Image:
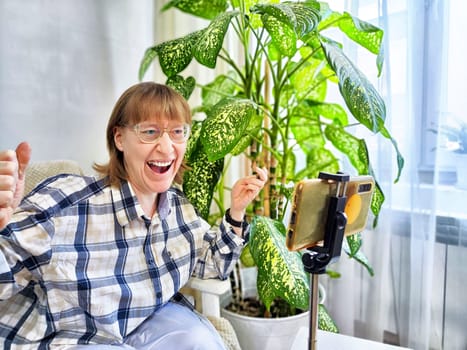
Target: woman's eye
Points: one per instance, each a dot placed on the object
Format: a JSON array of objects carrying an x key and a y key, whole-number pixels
[
  {"x": 150, "y": 131},
  {"x": 178, "y": 131}
]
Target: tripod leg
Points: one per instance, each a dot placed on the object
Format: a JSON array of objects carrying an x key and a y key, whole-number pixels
[{"x": 313, "y": 311}]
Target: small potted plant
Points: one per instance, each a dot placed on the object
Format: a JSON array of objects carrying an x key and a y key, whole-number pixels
[
  {"x": 272, "y": 106},
  {"x": 454, "y": 139}
]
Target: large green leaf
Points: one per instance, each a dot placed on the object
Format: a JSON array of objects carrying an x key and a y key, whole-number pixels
[
  {"x": 174, "y": 55},
  {"x": 302, "y": 17},
  {"x": 287, "y": 22},
  {"x": 325, "y": 321},
  {"x": 200, "y": 181},
  {"x": 225, "y": 125},
  {"x": 354, "y": 148},
  {"x": 280, "y": 271},
  {"x": 362, "y": 99},
  {"x": 207, "y": 9},
  {"x": 283, "y": 36},
  {"x": 211, "y": 40},
  {"x": 149, "y": 55},
  {"x": 363, "y": 33}
]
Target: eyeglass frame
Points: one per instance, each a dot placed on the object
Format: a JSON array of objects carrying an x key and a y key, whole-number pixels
[{"x": 136, "y": 129}]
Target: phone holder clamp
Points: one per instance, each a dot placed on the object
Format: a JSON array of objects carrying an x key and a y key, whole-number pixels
[{"x": 316, "y": 259}]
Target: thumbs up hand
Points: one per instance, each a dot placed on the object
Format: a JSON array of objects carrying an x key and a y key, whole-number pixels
[{"x": 12, "y": 175}]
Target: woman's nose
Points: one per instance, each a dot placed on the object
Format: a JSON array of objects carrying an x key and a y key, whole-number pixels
[{"x": 164, "y": 143}]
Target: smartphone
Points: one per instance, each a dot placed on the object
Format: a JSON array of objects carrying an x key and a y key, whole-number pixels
[{"x": 310, "y": 201}]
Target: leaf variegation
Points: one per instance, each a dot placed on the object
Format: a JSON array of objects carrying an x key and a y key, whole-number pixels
[
  {"x": 184, "y": 86},
  {"x": 302, "y": 17},
  {"x": 325, "y": 321},
  {"x": 175, "y": 55},
  {"x": 280, "y": 271},
  {"x": 354, "y": 148},
  {"x": 210, "y": 41},
  {"x": 199, "y": 182},
  {"x": 149, "y": 55},
  {"x": 360, "y": 96},
  {"x": 377, "y": 202},
  {"x": 207, "y": 9},
  {"x": 225, "y": 125},
  {"x": 283, "y": 36},
  {"x": 363, "y": 33}
]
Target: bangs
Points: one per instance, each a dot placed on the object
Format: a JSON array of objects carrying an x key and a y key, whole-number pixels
[{"x": 157, "y": 105}]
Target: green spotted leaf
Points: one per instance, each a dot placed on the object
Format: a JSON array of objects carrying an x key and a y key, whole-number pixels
[
  {"x": 283, "y": 37},
  {"x": 287, "y": 22},
  {"x": 184, "y": 86},
  {"x": 225, "y": 125},
  {"x": 174, "y": 55},
  {"x": 207, "y": 9},
  {"x": 325, "y": 321},
  {"x": 360, "y": 96},
  {"x": 199, "y": 182},
  {"x": 280, "y": 271},
  {"x": 354, "y": 148},
  {"x": 211, "y": 40},
  {"x": 302, "y": 17}
]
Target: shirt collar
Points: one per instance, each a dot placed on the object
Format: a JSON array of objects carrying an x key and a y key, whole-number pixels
[{"x": 126, "y": 204}]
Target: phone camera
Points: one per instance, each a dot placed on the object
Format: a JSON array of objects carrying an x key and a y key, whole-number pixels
[{"x": 364, "y": 187}]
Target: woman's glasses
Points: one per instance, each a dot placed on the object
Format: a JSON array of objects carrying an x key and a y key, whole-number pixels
[{"x": 152, "y": 133}]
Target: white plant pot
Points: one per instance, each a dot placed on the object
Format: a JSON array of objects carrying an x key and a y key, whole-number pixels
[{"x": 256, "y": 333}]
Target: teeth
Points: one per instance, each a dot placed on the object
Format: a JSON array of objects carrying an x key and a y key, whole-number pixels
[{"x": 160, "y": 163}]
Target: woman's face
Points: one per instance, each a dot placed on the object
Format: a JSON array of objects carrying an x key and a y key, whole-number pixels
[{"x": 151, "y": 167}]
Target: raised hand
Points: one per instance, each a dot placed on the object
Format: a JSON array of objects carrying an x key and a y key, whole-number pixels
[
  {"x": 12, "y": 173},
  {"x": 245, "y": 190}
]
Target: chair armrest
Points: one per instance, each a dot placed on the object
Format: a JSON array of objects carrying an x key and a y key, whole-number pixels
[{"x": 207, "y": 294}]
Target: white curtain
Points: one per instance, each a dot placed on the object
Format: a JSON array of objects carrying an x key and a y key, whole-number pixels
[{"x": 419, "y": 248}]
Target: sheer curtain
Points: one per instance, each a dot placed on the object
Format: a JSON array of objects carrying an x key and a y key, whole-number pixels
[{"x": 419, "y": 248}]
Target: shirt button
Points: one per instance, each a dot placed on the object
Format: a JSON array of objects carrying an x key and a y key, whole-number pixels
[
  {"x": 159, "y": 295},
  {"x": 150, "y": 262}
]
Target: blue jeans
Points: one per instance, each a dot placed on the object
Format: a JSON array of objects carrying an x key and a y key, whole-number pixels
[{"x": 172, "y": 327}]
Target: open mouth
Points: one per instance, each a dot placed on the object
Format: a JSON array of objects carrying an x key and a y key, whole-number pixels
[{"x": 160, "y": 167}]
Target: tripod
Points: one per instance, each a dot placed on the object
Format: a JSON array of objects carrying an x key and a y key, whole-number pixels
[{"x": 316, "y": 258}]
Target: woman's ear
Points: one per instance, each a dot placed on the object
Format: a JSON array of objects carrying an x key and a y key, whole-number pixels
[{"x": 118, "y": 138}]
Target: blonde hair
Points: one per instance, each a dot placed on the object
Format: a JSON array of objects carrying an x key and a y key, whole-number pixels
[{"x": 138, "y": 103}]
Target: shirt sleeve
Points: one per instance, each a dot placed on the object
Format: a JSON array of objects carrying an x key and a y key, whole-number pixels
[
  {"x": 221, "y": 252},
  {"x": 24, "y": 247}
]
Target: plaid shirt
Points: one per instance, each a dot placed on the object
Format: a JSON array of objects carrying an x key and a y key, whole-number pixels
[{"x": 81, "y": 263}]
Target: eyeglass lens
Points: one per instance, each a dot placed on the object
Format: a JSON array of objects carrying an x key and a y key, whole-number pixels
[{"x": 151, "y": 133}]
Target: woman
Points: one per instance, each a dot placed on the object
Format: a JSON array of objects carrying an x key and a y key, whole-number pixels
[{"x": 100, "y": 261}]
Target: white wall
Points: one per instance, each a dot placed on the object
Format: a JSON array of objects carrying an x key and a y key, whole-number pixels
[{"x": 63, "y": 65}]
